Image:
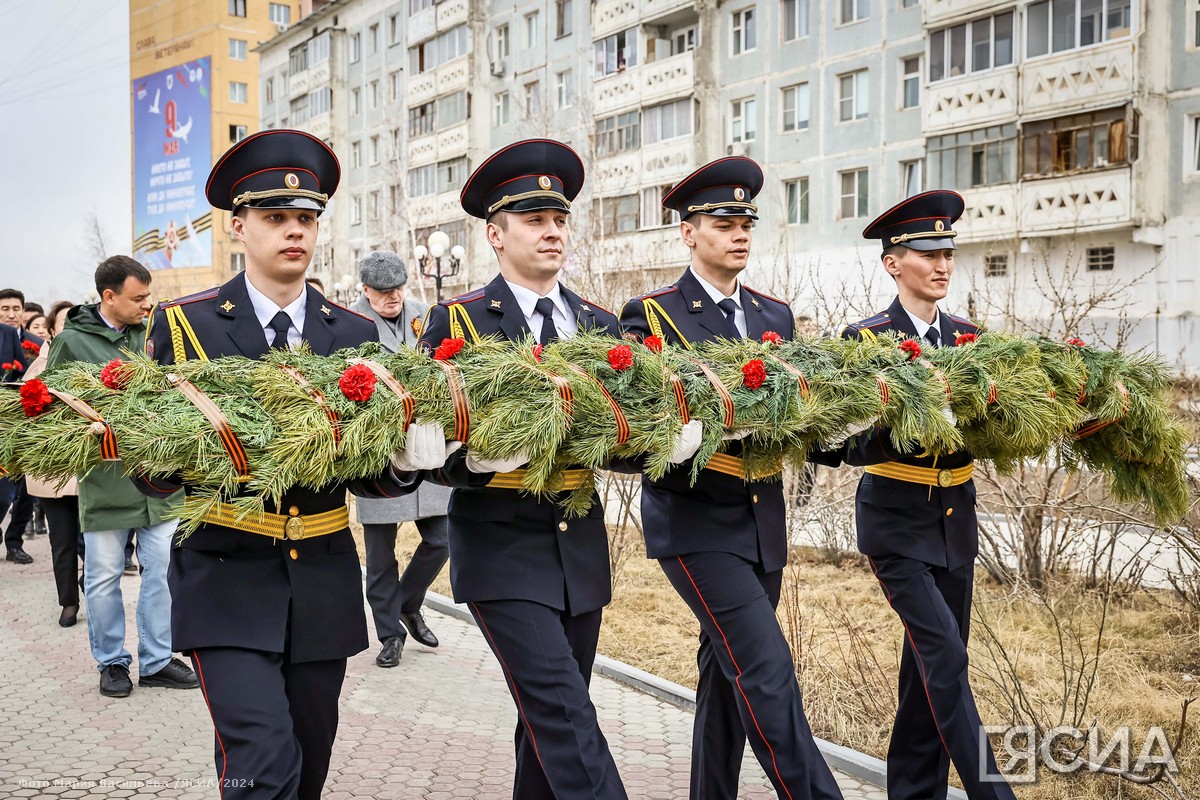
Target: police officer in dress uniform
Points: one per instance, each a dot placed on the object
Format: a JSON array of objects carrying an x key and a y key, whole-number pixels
[
  {"x": 535, "y": 581},
  {"x": 915, "y": 514},
  {"x": 269, "y": 609},
  {"x": 723, "y": 542}
]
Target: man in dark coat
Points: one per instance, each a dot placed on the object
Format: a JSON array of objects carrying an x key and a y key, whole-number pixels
[
  {"x": 915, "y": 514},
  {"x": 723, "y": 542},
  {"x": 270, "y": 609},
  {"x": 12, "y": 307}
]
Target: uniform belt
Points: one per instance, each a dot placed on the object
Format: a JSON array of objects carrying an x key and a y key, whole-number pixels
[
  {"x": 293, "y": 525},
  {"x": 572, "y": 479},
  {"x": 926, "y": 476},
  {"x": 732, "y": 465}
]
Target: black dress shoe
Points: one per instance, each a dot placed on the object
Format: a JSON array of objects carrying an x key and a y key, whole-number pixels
[
  {"x": 17, "y": 555},
  {"x": 418, "y": 629},
  {"x": 69, "y": 616},
  {"x": 114, "y": 681},
  {"x": 175, "y": 675},
  {"x": 389, "y": 655}
]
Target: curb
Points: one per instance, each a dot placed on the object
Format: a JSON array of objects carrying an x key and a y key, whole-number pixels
[{"x": 859, "y": 765}]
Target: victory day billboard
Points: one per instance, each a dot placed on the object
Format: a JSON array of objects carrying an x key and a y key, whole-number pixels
[{"x": 172, "y": 154}]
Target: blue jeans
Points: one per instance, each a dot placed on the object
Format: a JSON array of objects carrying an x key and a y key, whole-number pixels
[{"x": 103, "y": 566}]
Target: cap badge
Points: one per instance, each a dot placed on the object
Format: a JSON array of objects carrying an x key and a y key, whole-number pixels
[
  {"x": 939, "y": 226},
  {"x": 739, "y": 194},
  {"x": 544, "y": 182},
  {"x": 291, "y": 180},
  {"x": 227, "y": 306}
]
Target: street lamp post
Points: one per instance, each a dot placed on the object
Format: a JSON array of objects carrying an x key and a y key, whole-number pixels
[{"x": 431, "y": 259}]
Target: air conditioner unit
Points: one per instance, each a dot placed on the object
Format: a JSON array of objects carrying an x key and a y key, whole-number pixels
[
  {"x": 280, "y": 27},
  {"x": 736, "y": 149},
  {"x": 498, "y": 67}
]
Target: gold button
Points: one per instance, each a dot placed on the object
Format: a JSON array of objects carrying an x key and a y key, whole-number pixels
[
  {"x": 755, "y": 498},
  {"x": 294, "y": 553},
  {"x": 949, "y": 511},
  {"x": 293, "y": 512},
  {"x": 562, "y": 526}
]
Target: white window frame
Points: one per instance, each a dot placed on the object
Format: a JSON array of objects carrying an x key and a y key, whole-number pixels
[
  {"x": 912, "y": 177},
  {"x": 797, "y": 190},
  {"x": 744, "y": 31},
  {"x": 533, "y": 99},
  {"x": 238, "y": 49},
  {"x": 279, "y": 13},
  {"x": 652, "y": 214},
  {"x": 741, "y": 110},
  {"x": 355, "y": 155},
  {"x": 799, "y": 96},
  {"x": 269, "y": 90},
  {"x": 355, "y": 101},
  {"x": 852, "y": 11},
  {"x": 906, "y": 78},
  {"x": 356, "y": 209},
  {"x": 501, "y": 109},
  {"x": 373, "y": 94},
  {"x": 239, "y": 92},
  {"x": 860, "y": 199},
  {"x": 564, "y": 88},
  {"x": 1191, "y": 167},
  {"x": 801, "y": 19},
  {"x": 375, "y": 150},
  {"x": 373, "y": 39},
  {"x": 1032, "y": 11},
  {"x": 533, "y": 29},
  {"x": 355, "y": 48},
  {"x": 855, "y": 105},
  {"x": 502, "y": 41}
]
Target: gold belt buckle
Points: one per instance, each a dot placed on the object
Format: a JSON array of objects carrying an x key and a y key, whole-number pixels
[
  {"x": 945, "y": 479},
  {"x": 294, "y": 527}
]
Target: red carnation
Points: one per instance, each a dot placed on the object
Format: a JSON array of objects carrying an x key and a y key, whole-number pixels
[
  {"x": 537, "y": 352},
  {"x": 8, "y": 366},
  {"x": 35, "y": 397},
  {"x": 357, "y": 383},
  {"x": 115, "y": 374},
  {"x": 911, "y": 347},
  {"x": 653, "y": 343},
  {"x": 32, "y": 347},
  {"x": 965, "y": 338},
  {"x": 754, "y": 372},
  {"x": 620, "y": 357},
  {"x": 448, "y": 349},
  {"x": 1076, "y": 342},
  {"x": 14, "y": 365},
  {"x": 771, "y": 337}
]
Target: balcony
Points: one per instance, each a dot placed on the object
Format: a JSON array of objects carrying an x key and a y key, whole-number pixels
[
  {"x": 610, "y": 16},
  {"x": 422, "y": 25},
  {"x": 452, "y": 141},
  {"x": 451, "y": 13},
  {"x": 1089, "y": 77},
  {"x": 298, "y": 85},
  {"x": 938, "y": 12},
  {"x": 320, "y": 126},
  {"x": 645, "y": 84},
  {"x": 991, "y": 214},
  {"x": 970, "y": 101},
  {"x": 1096, "y": 200},
  {"x": 421, "y": 88},
  {"x": 454, "y": 75}
]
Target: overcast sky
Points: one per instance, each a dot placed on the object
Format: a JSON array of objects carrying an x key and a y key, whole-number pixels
[{"x": 64, "y": 141}]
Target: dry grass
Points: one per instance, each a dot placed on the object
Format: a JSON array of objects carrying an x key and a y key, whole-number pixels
[{"x": 846, "y": 642}]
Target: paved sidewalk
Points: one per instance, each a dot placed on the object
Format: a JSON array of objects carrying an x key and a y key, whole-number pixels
[{"x": 438, "y": 726}]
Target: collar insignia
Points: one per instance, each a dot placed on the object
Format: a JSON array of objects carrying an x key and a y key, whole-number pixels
[
  {"x": 325, "y": 310},
  {"x": 227, "y": 307},
  {"x": 584, "y": 307},
  {"x": 754, "y": 301},
  {"x": 495, "y": 304},
  {"x": 697, "y": 304}
]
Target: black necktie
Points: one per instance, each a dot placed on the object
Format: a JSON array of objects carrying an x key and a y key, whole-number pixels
[
  {"x": 545, "y": 307},
  {"x": 932, "y": 336},
  {"x": 280, "y": 323},
  {"x": 730, "y": 308}
]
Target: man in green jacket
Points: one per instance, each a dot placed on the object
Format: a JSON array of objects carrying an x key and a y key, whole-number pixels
[{"x": 110, "y": 506}]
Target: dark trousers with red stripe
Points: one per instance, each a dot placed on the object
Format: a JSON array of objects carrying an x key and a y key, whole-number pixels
[
  {"x": 747, "y": 685},
  {"x": 937, "y": 721},
  {"x": 547, "y": 656},
  {"x": 274, "y": 721}
]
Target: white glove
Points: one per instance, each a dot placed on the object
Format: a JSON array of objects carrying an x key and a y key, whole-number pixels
[
  {"x": 425, "y": 447},
  {"x": 847, "y": 433},
  {"x": 949, "y": 415},
  {"x": 734, "y": 434},
  {"x": 477, "y": 464},
  {"x": 687, "y": 442}
]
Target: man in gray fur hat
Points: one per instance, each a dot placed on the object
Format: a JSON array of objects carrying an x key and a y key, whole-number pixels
[{"x": 396, "y": 599}]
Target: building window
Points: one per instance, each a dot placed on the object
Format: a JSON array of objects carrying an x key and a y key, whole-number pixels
[
  {"x": 564, "y": 88},
  {"x": 533, "y": 99},
  {"x": 982, "y": 157},
  {"x": 745, "y": 35},
  {"x": 615, "y": 53},
  {"x": 397, "y": 144},
  {"x": 452, "y": 109},
  {"x": 796, "y": 103},
  {"x": 355, "y": 102},
  {"x": 911, "y": 81},
  {"x": 795, "y": 195},
  {"x": 502, "y": 41},
  {"x": 355, "y": 47},
  {"x": 299, "y": 111},
  {"x": 855, "y": 10},
  {"x": 394, "y": 32},
  {"x": 973, "y": 46},
  {"x": 1101, "y": 259},
  {"x": 618, "y": 133},
  {"x": 373, "y": 205},
  {"x": 683, "y": 40},
  {"x": 395, "y": 86},
  {"x": 852, "y": 96},
  {"x": 422, "y": 181},
  {"x": 795, "y": 19},
  {"x": 269, "y": 90},
  {"x": 910, "y": 176},
  {"x": 855, "y": 201},
  {"x": 237, "y": 8},
  {"x": 319, "y": 101},
  {"x": 653, "y": 214},
  {"x": 909, "y": 3},
  {"x": 616, "y": 214},
  {"x": 563, "y": 23},
  {"x": 533, "y": 29},
  {"x": 373, "y": 93},
  {"x": 238, "y": 92},
  {"x": 1075, "y": 143},
  {"x": 237, "y": 49},
  {"x": 395, "y": 199},
  {"x": 279, "y": 13},
  {"x": 356, "y": 154},
  {"x": 318, "y": 48},
  {"x": 445, "y": 47},
  {"x": 1195, "y": 125},
  {"x": 995, "y": 266},
  {"x": 375, "y": 150},
  {"x": 237, "y": 133},
  {"x": 415, "y": 6},
  {"x": 1196, "y": 23},
  {"x": 668, "y": 120},
  {"x": 356, "y": 210},
  {"x": 1057, "y": 25},
  {"x": 420, "y": 120},
  {"x": 743, "y": 118},
  {"x": 452, "y": 174},
  {"x": 501, "y": 110},
  {"x": 237, "y": 262},
  {"x": 373, "y": 39}
]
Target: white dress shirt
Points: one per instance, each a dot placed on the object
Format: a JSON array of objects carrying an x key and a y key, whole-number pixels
[
  {"x": 739, "y": 316},
  {"x": 922, "y": 326},
  {"x": 266, "y": 309},
  {"x": 564, "y": 320}
]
